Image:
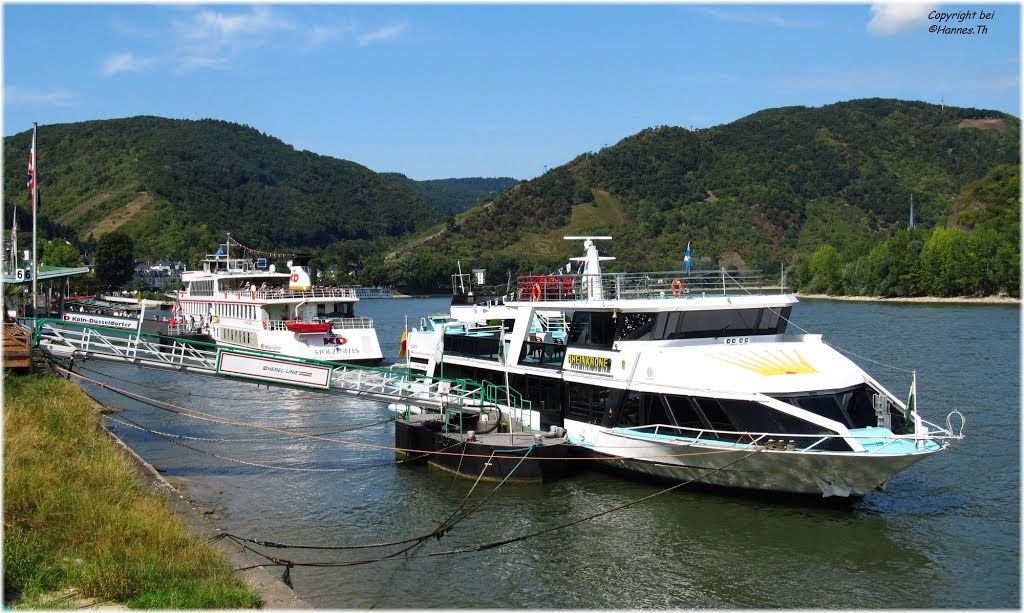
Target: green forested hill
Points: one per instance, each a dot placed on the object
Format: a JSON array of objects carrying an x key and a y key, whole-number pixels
[
  {"x": 176, "y": 186},
  {"x": 452, "y": 196},
  {"x": 824, "y": 190},
  {"x": 765, "y": 189}
]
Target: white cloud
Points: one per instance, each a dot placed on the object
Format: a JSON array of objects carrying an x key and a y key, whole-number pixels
[
  {"x": 124, "y": 62},
  {"x": 743, "y": 15},
  {"x": 210, "y": 26},
  {"x": 321, "y": 35},
  {"x": 386, "y": 33},
  {"x": 889, "y": 18},
  {"x": 754, "y": 16},
  {"x": 211, "y": 38},
  {"x": 21, "y": 95}
]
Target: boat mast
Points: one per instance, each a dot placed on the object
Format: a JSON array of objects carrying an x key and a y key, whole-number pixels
[{"x": 593, "y": 264}]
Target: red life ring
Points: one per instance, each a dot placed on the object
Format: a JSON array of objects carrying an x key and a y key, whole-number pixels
[
  {"x": 535, "y": 292},
  {"x": 295, "y": 277},
  {"x": 677, "y": 287}
]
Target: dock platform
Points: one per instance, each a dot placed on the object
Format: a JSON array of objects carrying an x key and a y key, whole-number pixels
[
  {"x": 16, "y": 347},
  {"x": 514, "y": 457}
]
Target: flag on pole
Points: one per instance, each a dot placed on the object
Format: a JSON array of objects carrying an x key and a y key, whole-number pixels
[
  {"x": 405, "y": 339},
  {"x": 14, "y": 239},
  {"x": 32, "y": 165},
  {"x": 910, "y": 416},
  {"x": 33, "y": 188},
  {"x": 501, "y": 346},
  {"x": 686, "y": 258}
]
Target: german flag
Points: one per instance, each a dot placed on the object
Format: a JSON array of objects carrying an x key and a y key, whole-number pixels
[{"x": 405, "y": 339}]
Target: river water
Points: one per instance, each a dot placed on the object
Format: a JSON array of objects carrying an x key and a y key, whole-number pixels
[{"x": 946, "y": 533}]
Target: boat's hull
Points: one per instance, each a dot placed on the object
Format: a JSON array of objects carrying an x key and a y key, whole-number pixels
[
  {"x": 819, "y": 473},
  {"x": 493, "y": 457}
]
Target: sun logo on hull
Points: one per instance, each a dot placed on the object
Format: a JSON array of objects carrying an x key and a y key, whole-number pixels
[{"x": 770, "y": 364}]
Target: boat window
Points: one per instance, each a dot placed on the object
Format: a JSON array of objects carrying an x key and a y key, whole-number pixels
[
  {"x": 635, "y": 326},
  {"x": 629, "y": 416},
  {"x": 656, "y": 412},
  {"x": 851, "y": 407},
  {"x": 826, "y": 405},
  {"x": 659, "y": 327},
  {"x": 588, "y": 403},
  {"x": 858, "y": 406},
  {"x": 755, "y": 417},
  {"x": 592, "y": 328},
  {"x": 718, "y": 323},
  {"x": 686, "y": 413},
  {"x": 717, "y": 418},
  {"x": 545, "y": 395}
]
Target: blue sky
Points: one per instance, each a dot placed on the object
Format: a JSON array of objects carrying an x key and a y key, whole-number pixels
[{"x": 458, "y": 90}]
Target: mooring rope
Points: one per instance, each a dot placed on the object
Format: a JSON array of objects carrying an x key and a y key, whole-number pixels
[
  {"x": 128, "y": 422},
  {"x": 494, "y": 544},
  {"x": 173, "y": 390},
  {"x": 186, "y": 412}
]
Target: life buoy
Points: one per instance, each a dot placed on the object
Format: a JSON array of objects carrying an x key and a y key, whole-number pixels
[
  {"x": 535, "y": 292},
  {"x": 295, "y": 277},
  {"x": 677, "y": 287}
]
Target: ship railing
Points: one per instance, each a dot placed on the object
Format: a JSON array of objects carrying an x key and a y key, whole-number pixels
[
  {"x": 370, "y": 293},
  {"x": 125, "y": 345},
  {"x": 265, "y": 295},
  {"x": 784, "y": 441},
  {"x": 341, "y": 323},
  {"x": 67, "y": 340},
  {"x": 351, "y": 323},
  {"x": 449, "y": 395},
  {"x": 633, "y": 286}
]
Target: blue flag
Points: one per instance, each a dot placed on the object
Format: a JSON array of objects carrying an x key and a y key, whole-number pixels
[{"x": 686, "y": 258}]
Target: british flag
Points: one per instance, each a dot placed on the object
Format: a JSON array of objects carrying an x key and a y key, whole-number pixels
[{"x": 32, "y": 165}]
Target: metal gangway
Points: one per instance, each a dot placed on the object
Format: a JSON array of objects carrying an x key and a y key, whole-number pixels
[{"x": 67, "y": 341}]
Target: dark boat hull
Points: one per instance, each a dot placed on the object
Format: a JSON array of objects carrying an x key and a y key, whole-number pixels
[{"x": 518, "y": 458}]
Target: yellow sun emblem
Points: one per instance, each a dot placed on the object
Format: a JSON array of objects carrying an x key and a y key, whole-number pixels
[{"x": 772, "y": 363}]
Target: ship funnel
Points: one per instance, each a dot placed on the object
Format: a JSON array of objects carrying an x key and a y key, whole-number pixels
[{"x": 299, "y": 279}]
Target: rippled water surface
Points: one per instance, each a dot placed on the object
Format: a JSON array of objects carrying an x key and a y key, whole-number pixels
[{"x": 946, "y": 532}]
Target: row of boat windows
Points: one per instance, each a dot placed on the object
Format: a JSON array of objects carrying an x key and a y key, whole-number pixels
[
  {"x": 238, "y": 337},
  {"x": 603, "y": 328},
  {"x": 600, "y": 329},
  {"x": 201, "y": 288},
  {"x": 557, "y": 400},
  {"x": 237, "y": 311}
]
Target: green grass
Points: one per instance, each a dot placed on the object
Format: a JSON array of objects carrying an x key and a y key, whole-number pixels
[{"x": 75, "y": 515}]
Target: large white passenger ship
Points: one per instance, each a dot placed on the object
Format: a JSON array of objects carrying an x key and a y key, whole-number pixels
[
  {"x": 240, "y": 304},
  {"x": 680, "y": 377}
]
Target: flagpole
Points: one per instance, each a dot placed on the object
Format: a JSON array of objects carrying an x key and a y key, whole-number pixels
[
  {"x": 14, "y": 241},
  {"x": 35, "y": 201}
]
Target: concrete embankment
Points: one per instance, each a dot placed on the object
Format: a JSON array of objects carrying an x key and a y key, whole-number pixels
[{"x": 275, "y": 594}]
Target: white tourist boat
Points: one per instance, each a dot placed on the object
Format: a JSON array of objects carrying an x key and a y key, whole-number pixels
[
  {"x": 238, "y": 303},
  {"x": 681, "y": 377}
]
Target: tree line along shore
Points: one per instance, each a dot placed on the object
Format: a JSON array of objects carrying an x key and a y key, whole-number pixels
[
  {"x": 81, "y": 528},
  {"x": 917, "y": 299}
]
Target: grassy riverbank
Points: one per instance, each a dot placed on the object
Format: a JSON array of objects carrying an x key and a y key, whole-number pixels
[{"x": 76, "y": 517}]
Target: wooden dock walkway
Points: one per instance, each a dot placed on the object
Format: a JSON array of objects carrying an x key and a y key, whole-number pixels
[{"x": 16, "y": 350}]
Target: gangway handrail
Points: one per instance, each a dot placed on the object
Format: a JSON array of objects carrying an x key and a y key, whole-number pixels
[{"x": 384, "y": 383}]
